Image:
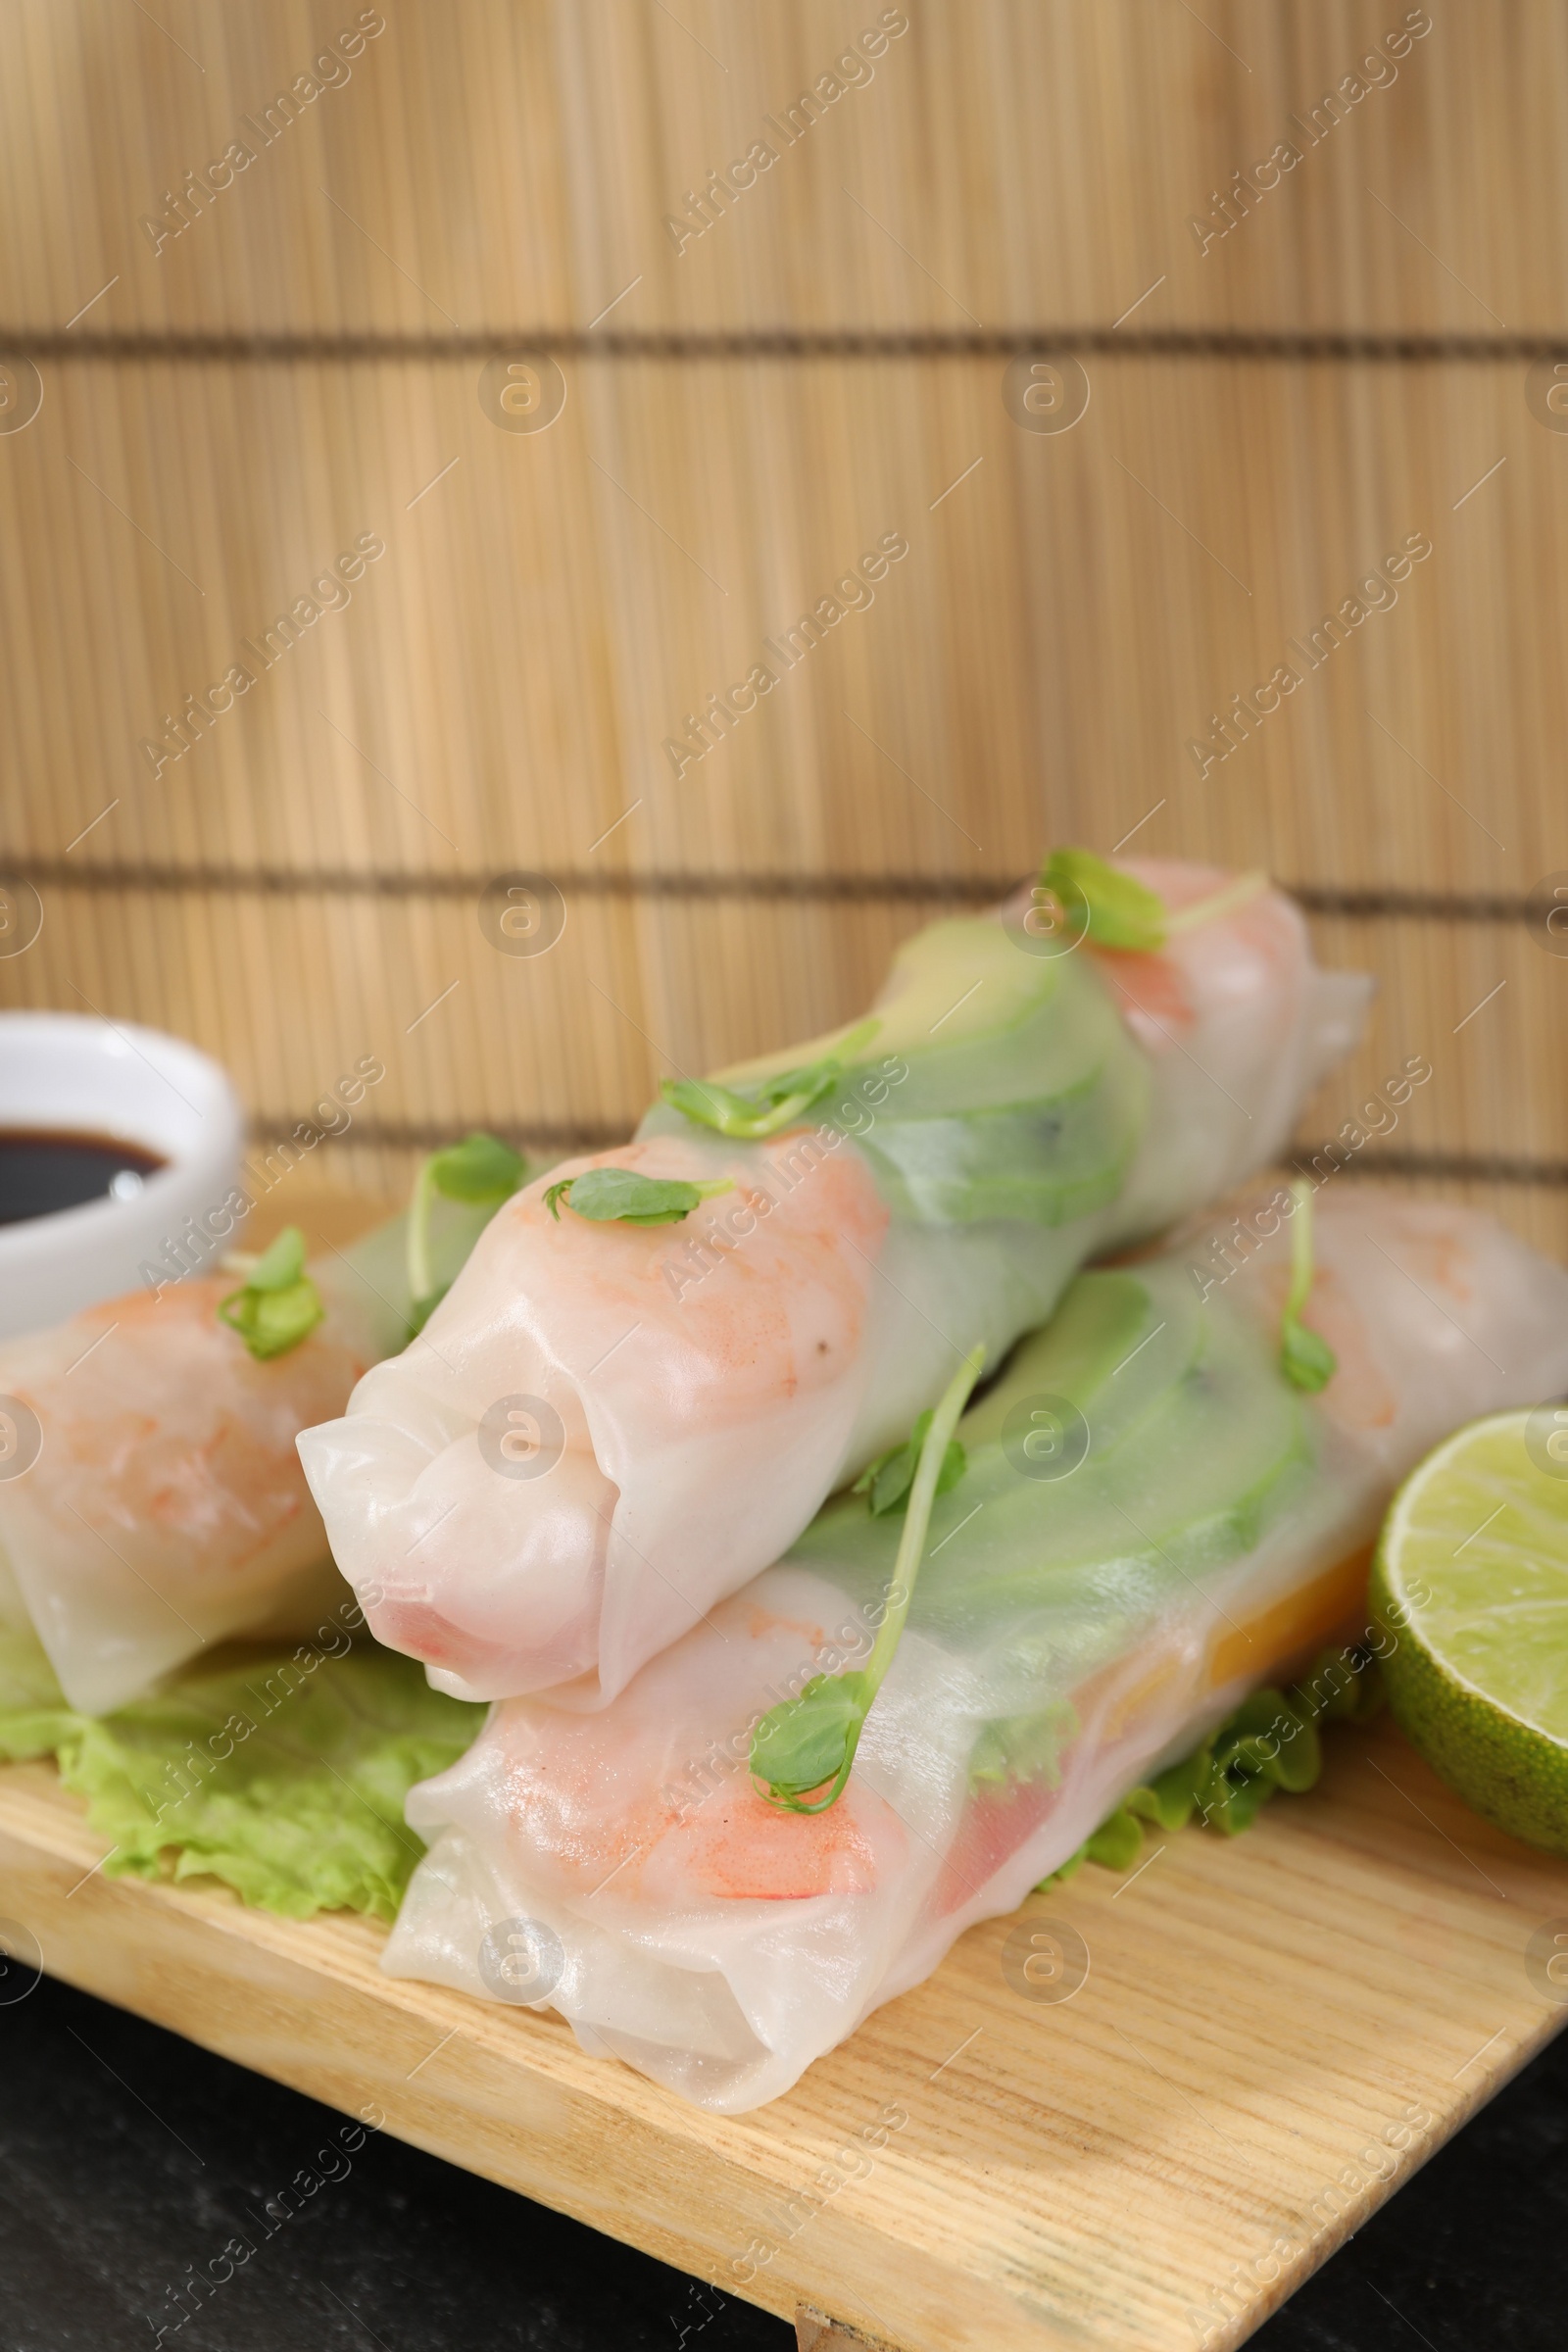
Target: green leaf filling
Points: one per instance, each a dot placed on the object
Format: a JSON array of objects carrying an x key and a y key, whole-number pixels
[
  {"x": 620, "y": 1195},
  {"x": 281, "y": 1773},
  {"x": 1102, "y": 905},
  {"x": 1023, "y": 1747},
  {"x": 1118, "y": 1842},
  {"x": 886, "y": 1481},
  {"x": 1307, "y": 1359},
  {"x": 1270, "y": 1742},
  {"x": 809, "y": 1743},
  {"x": 749, "y": 1113},
  {"x": 278, "y": 1305}
]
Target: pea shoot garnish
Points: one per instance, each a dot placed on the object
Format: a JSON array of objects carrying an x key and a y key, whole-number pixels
[
  {"x": 809, "y": 1743},
  {"x": 749, "y": 1113},
  {"x": 482, "y": 1170},
  {"x": 1307, "y": 1359},
  {"x": 1099, "y": 903},
  {"x": 278, "y": 1305},
  {"x": 886, "y": 1481},
  {"x": 1102, "y": 905},
  {"x": 620, "y": 1195}
]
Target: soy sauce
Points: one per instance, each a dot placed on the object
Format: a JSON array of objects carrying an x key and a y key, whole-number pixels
[{"x": 42, "y": 1169}]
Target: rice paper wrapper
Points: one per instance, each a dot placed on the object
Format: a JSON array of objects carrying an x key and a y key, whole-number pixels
[{"x": 1069, "y": 1637}]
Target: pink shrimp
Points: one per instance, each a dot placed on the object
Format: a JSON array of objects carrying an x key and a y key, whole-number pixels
[
  {"x": 756, "y": 1297},
  {"x": 648, "y": 1798},
  {"x": 1163, "y": 995},
  {"x": 644, "y": 1366},
  {"x": 166, "y": 1506}
]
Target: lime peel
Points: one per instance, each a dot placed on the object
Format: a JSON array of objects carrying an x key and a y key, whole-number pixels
[{"x": 1470, "y": 1582}]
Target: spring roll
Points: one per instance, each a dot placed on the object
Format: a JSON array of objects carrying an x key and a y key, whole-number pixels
[
  {"x": 609, "y": 1426},
  {"x": 151, "y": 1496},
  {"x": 1153, "y": 1520}
]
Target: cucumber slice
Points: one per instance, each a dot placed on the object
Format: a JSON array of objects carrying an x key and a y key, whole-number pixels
[
  {"x": 980, "y": 1024},
  {"x": 1044, "y": 1162},
  {"x": 976, "y": 1037},
  {"x": 952, "y": 983},
  {"x": 1187, "y": 1483},
  {"x": 1103, "y": 1319},
  {"x": 1120, "y": 1340},
  {"x": 1191, "y": 1464},
  {"x": 1029, "y": 1104},
  {"x": 1020, "y": 1095}
]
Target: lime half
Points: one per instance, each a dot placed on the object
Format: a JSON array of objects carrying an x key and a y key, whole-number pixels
[{"x": 1470, "y": 1585}]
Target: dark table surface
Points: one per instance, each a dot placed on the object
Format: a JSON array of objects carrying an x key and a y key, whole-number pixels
[{"x": 128, "y": 2158}]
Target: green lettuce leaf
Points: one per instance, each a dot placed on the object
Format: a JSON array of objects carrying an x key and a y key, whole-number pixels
[
  {"x": 281, "y": 1773},
  {"x": 1270, "y": 1742}
]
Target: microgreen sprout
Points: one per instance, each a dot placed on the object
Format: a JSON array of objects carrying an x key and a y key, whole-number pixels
[
  {"x": 1101, "y": 904},
  {"x": 809, "y": 1743},
  {"x": 481, "y": 1170},
  {"x": 1109, "y": 909},
  {"x": 1307, "y": 1359},
  {"x": 886, "y": 1481},
  {"x": 620, "y": 1195},
  {"x": 749, "y": 1113},
  {"x": 278, "y": 1305}
]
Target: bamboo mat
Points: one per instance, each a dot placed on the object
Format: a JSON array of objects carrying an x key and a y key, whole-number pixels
[
  {"x": 1272, "y": 412},
  {"x": 1027, "y": 161}
]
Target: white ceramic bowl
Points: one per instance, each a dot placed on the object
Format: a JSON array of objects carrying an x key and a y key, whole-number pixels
[{"x": 63, "y": 1071}]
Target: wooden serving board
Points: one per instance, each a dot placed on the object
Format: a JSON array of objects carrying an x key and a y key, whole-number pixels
[{"x": 1273, "y": 2032}]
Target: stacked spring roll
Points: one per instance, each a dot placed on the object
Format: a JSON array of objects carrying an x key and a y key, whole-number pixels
[
  {"x": 680, "y": 1392},
  {"x": 151, "y": 1496},
  {"x": 1069, "y": 1636}
]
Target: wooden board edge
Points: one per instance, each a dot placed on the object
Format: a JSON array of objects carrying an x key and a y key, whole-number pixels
[
  {"x": 312, "y": 1993},
  {"x": 689, "y": 2188},
  {"x": 1273, "y": 2295}
]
